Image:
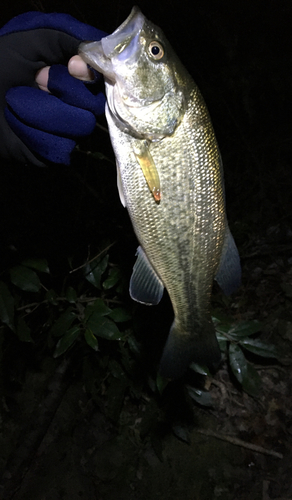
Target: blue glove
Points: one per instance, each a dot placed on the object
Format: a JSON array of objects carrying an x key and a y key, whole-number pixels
[{"x": 36, "y": 125}]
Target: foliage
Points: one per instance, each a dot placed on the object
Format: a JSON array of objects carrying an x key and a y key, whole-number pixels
[
  {"x": 87, "y": 312},
  {"x": 84, "y": 313},
  {"x": 236, "y": 340},
  {"x": 72, "y": 314}
]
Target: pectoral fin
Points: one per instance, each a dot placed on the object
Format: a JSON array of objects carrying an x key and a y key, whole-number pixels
[
  {"x": 228, "y": 274},
  {"x": 148, "y": 167},
  {"x": 145, "y": 286}
]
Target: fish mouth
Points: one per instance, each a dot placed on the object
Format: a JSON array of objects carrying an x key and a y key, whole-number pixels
[{"x": 122, "y": 43}]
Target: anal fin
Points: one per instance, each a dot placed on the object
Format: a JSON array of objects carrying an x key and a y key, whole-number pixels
[
  {"x": 145, "y": 286},
  {"x": 228, "y": 274}
]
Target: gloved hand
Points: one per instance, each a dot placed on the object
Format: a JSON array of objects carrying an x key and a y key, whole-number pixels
[{"x": 35, "y": 124}]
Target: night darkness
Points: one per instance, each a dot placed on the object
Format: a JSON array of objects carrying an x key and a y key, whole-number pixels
[{"x": 239, "y": 54}]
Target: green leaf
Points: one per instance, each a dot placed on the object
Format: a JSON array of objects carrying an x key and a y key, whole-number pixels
[
  {"x": 24, "y": 278},
  {"x": 67, "y": 341},
  {"x": 99, "y": 308},
  {"x": 223, "y": 328},
  {"x": 63, "y": 323},
  {"x": 71, "y": 295},
  {"x": 244, "y": 329},
  {"x": 23, "y": 331},
  {"x": 238, "y": 362},
  {"x": 6, "y": 306},
  {"x": 202, "y": 370},
  {"x": 246, "y": 375},
  {"x": 161, "y": 383},
  {"x": 91, "y": 339},
  {"x": 119, "y": 315},
  {"x": 260, "y": 348},
  {"x": 222, "y": 341},
  {"x": 181, "y": 432},
  {"x": 112, "y": 279},
  {"x": 252, "y": 382},
  {"x": 103, "y": 327},
  {"x": 94, "y": 271},
  {"x": 134, "y": 345},
  {"x": 202, "y": 397},
  {"x": 37, "y": 264}
]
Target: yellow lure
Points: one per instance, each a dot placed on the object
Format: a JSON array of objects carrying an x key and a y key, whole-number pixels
[{"x": 149, "y": 169}]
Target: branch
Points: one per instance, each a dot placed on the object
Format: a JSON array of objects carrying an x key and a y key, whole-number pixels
[{"x": 239, "y": 442}]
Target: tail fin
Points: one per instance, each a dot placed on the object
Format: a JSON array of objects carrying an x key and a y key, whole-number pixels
[{"x": 182, "y": 348}]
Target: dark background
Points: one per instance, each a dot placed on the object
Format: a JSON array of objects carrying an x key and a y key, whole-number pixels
[{"x": 239, "y": 54}]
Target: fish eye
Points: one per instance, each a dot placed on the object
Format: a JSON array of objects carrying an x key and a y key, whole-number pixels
[{"x": 156, "y": 50}]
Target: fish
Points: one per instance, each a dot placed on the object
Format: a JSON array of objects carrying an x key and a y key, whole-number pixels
[{"x": 170, "y": 179}]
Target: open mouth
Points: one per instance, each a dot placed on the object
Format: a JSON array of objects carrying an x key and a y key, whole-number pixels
[{"x": 120, "y": 43}]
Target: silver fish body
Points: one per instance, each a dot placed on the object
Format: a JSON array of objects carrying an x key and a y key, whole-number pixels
[{"x": 170, "y": 179}]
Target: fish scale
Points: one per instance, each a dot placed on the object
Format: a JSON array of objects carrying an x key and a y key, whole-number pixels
[
  {"x": 177, "y": 253},
  {"x": 171, "y": 181}
]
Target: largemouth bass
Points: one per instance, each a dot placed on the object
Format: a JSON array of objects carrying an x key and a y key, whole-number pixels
[{"x": 170, "y": 179}]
